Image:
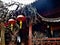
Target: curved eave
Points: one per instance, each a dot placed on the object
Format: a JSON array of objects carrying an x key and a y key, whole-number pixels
[{"x": 49, "y": 19}]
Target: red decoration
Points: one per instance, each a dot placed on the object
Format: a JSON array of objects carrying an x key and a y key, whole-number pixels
[
  {"x": 6, "y": 24},
  {"x": 11, "y": 21},
  {"x": 21, "y": 18}
]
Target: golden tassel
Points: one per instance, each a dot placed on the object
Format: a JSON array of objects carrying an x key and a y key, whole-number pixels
[
  {"x": 20, "y": 24},
  {"x": 11, "y": 27}
]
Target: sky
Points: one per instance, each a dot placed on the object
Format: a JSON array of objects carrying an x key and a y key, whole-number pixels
[{"x": 24, "y": 2}]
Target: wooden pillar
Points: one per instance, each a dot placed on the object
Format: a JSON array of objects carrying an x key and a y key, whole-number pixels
[
  {"x": 2, "y": 37},
  {"x": 2, "y": 34},
  {"x": 30, "y": 34}
]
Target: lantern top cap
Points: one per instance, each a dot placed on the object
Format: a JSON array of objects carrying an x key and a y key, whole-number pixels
[
  {"x": 11, "y": 19},
  {"x": 20, "y": 16}
]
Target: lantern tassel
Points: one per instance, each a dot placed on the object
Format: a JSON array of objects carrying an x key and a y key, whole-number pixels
[
  {"x": 20, "y": 24},
  {"x": 11, "y": 27}
]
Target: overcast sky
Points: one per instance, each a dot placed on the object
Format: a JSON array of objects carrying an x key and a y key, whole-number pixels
[
  {"x": 24, "y": 2},
  {"x": 20, "y": 1}
]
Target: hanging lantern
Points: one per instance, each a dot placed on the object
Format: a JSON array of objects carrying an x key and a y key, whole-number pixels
[
  {"x": 21, "y": 19},
  {"x": 11, "y": 22}
]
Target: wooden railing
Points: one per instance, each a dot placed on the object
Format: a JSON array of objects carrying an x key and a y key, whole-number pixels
[{"x": 46, "y": 41}]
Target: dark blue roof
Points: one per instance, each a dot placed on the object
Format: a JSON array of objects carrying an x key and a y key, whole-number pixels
[{"x": 44, "y": 6}]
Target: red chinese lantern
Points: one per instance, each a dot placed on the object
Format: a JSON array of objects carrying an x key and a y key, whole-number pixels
[
  {"x": 11, "y": 22},
  {"x": 21, "y": 19}
]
